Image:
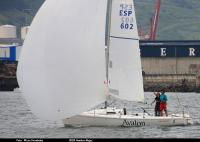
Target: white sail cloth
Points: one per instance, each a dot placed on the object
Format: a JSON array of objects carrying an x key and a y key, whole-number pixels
[
  {"x": 125, "y": 72},
  {"x": 61, "y": 69}
]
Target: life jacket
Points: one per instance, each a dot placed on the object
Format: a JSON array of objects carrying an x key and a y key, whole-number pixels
[{"x": 163, "y": 98}]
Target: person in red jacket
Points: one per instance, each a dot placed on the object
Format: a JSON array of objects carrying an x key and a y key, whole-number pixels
[{"x": 163, "y": 103}]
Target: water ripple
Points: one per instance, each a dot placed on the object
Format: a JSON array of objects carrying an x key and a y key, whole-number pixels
[{"x": 17, "y": 121}]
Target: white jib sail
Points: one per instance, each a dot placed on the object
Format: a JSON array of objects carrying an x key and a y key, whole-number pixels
[
  {"x": 61, "y": 69},
  {"x": 125, "y": 73}
]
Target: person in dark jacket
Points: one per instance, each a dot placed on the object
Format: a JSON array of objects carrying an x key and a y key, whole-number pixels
[{"x": 157, "y": 106}]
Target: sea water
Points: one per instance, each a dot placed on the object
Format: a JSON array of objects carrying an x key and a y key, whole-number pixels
[{"x": 17, "y": 120}]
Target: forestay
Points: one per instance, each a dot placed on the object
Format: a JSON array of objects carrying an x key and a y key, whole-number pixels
[
  {"x": 62, "y": 64},
  {"x": 125, "y": 73}
]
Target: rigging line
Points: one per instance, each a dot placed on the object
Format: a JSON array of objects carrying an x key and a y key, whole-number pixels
[
  {"x": 124, "y": 38},
  {"x": 145, "y": 110},
  {"x": 177, "y": 98},
  {"x": 111, "y": 102},
  {"x": 175, "y": 89},
  {"x": 180, "y": 103}
]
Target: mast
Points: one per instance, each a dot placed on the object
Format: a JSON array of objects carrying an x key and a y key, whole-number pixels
[{"x": 107, "y": 40}]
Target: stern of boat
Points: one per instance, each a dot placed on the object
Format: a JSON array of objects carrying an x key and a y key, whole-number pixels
[{"x": 188, "y": 119}]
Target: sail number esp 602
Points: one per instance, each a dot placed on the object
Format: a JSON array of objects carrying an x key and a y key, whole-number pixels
[{"x": 125, "y": 13}]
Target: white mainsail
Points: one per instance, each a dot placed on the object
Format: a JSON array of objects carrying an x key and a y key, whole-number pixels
[
  {"x": 62, "y": 64},
  {"x": 124, "y": 71}
]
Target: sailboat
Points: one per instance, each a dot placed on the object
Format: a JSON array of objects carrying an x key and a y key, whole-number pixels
[
  {"x": 124, "y": 75},
  {"x": 62, "y": 70}
]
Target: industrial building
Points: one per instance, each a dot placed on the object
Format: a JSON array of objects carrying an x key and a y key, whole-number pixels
[
  {"x": 8, "y": 31},
  {"x": 24, "y": 31},
  {"x": 170, "y": 57},
  {"x": 10, "y": 47},
  {"x": 9, "y": 55},
  {"x": 171, "y": 64}
]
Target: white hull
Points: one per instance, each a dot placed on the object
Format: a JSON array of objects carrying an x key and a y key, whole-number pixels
[{"x": 99, "y": 118}]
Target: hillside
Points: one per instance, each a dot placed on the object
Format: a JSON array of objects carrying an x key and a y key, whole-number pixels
[
  {"x": 18, "y": 12},
  {"x": 179, "y": 19}
]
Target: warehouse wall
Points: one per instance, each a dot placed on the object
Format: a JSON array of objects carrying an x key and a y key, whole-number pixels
[{"x": 184, "y": 65}]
